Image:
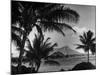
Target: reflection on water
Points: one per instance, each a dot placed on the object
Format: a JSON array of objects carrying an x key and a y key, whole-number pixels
[{"x": 66, "y": 63}]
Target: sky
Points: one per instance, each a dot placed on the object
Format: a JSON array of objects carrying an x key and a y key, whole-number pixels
[{"x": 85, "y": 23}]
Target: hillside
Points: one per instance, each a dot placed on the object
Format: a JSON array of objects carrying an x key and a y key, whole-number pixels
[{"x": 66, "y": 50}]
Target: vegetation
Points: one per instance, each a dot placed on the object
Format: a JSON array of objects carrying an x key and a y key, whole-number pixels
[
  {"x": 43, "y": 16},
  {"x": 88, "y": 42},
  {"x": 38, "y": 51}
]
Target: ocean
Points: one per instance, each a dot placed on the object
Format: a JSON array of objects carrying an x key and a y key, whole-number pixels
[{"x": 66, "y": 63}]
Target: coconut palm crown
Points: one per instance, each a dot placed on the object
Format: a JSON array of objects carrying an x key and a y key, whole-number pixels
[
  {"x": 88, "y": 42},
  {"x": 38, "y": 50}
]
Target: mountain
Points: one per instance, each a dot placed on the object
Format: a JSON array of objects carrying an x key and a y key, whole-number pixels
[
  {"x": 66, "y": 50},
  {"x": 58, "y": 54}
]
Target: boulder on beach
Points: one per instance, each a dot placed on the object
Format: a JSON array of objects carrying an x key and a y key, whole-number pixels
[{"x": 84, "y": 66}]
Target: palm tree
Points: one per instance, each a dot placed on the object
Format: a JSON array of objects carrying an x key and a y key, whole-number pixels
[
  {"x": 43, "y": 16},
  {"x": 88, "y": 42},
  {"x": 38, "y": 51}
]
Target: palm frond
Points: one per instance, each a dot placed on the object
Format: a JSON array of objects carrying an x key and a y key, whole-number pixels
[
  {"x": 15, "y": 12},
  {"x": 90, "y": 35},
  {"x": 37, "y": 41},
  {"x": 47, "y": 40},
  {"x": 93, "y": 48},
  {"x": 80, "y": 46},
  {"x": 29, "y": 45},
  {"x": 17, "y": 30},
  {"x": 54, "y": 45},
  {"x": 85, "y": 36},
  {"x": 47, "y": 49},
  {"x": 60, "y": 25},
  {"x": 14, "y": 59},
  {"x": 21, "y": 7},
  {"x": 72, "y": 13},
  {"x": 93, "y": 39},
  {"x": 47, "y": 44},
  {"x": 62, "y": 14},
  {"x": 83, "y": 41},
  {"x": 47, "y": 8},
  {"x": 46, "y": 52},
  {"x": 39, "y": 30},
  {"x": 82, "y": 37},
  {"x": 46, "y": 26}
]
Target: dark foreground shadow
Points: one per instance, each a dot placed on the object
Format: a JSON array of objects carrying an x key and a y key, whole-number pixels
[
  {"x": 81, "y": 66},
  {"x": 84, "y": 66},
  {"x": 23, "y": 70}
]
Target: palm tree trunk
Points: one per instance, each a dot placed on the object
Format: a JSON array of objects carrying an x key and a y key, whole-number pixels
[
  {"x": 32, "y": 68},
  {"x": 38, "y": 66},
  {"x": 21, "y": 53},
  {"x": 88, "y": 55},
  {"x": 39, "y": 31}
]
